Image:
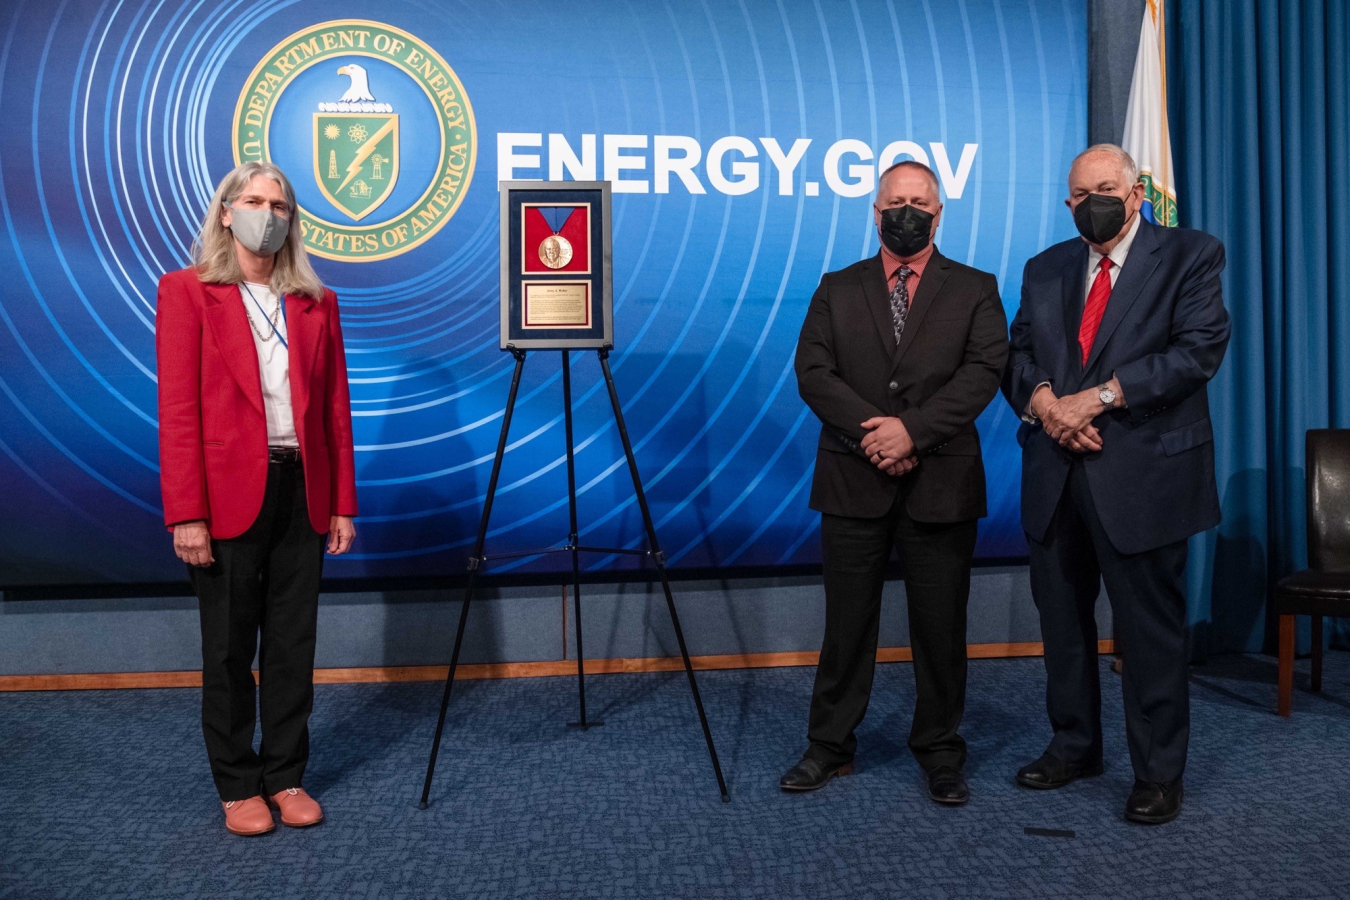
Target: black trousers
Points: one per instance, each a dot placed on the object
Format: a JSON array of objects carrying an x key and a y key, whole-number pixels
[
  {"x": 266, "y": 580},
  {"x": 936, "y": 560},
  {"x": 1148, "y": 607}
]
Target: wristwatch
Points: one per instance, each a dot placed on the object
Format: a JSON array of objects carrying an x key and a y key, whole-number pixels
[{"x": 1107, "y": 396}]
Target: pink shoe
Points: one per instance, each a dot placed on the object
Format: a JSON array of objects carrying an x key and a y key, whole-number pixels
[
  {"x": 298, "y": 809},
  {"x": 248, "y": 817}
]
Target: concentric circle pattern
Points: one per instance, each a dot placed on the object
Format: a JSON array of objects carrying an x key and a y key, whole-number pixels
[{"x": 115, "y": 123}]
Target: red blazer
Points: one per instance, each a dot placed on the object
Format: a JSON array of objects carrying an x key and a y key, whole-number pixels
[{"x": 212, "y": 429}]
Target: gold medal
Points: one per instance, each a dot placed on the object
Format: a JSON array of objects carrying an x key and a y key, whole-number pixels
[{"x": 555, "y": 251}]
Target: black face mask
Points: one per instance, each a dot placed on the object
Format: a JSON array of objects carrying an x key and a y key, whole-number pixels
[
  {"x": 905, "y": 230},
  {"x": 1099, "y": 217}
]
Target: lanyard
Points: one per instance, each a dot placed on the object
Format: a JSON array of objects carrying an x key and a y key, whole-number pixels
[{"x": 266, "y": 318}]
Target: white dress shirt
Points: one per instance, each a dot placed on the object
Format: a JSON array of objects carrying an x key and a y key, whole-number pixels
[
  {"x": 273, "y": 362},
  {"x": 1117, "y": 255}
]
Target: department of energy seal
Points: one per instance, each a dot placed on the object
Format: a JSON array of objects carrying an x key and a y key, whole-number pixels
[{"x": 398, "y": 97}]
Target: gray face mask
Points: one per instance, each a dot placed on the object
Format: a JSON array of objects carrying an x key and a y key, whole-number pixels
[{"x": 260, "y": 230}]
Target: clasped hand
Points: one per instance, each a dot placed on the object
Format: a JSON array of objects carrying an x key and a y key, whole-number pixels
[
  {"x": 1068, "y": 420},
  {"x": 888, "y": 445}
]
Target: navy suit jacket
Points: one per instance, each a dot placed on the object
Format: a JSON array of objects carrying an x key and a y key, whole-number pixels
[{"x": 1163, "y": 336}]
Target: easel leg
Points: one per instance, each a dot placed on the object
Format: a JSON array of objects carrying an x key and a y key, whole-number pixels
[
  {"x": 475, "y": 562},
  {"x": 573, "y": 539},
  {"x": 660, "y": 560}
]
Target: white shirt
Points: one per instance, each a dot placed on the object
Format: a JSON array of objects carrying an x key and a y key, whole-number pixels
[
  {"x": 274, "y": 363},
  {"x": 1117, "y": 255}
]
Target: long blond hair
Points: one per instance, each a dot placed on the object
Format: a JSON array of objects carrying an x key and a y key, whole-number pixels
[{"x": 213, "y": 251}]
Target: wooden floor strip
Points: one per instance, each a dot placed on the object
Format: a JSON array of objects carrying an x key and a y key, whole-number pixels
[{"x": 389, "y": 674}]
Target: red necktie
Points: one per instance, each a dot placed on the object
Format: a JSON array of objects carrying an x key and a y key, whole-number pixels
[{"x": 1095, "y": 308}]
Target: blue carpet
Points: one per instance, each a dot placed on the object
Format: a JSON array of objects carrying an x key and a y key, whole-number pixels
[{"x": 107, "y": 794}]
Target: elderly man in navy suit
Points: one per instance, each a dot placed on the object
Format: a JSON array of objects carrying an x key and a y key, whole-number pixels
[{"x": 1117, "y": 335}]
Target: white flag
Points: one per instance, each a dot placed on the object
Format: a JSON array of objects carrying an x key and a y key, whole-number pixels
[{"x": 1147, "y": 137}]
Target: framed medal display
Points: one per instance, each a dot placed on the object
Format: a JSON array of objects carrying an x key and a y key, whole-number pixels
[{"x": 556, "y": 265}]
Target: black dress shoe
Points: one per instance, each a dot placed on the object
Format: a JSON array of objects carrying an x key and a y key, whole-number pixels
[
  {"x": 1049, "y": 772},
  {"x": 1153, "y": 802},
  {"x": 948, "y": 785},
  {"x": 812, "y": 774}
]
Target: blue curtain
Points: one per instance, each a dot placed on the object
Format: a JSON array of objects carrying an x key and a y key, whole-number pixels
[{"x": 1259, "y": 101}]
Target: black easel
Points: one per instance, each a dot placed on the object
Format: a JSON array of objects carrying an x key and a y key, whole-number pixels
[{"x": 653, "y": 551}]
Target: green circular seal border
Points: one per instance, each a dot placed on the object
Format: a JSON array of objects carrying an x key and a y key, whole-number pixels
[{"x": 400, "y": 226}]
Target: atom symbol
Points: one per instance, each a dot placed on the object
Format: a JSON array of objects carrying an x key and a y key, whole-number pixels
[
  {"x": 331, "y": 132},
  {"x": 357, "y": 133}
]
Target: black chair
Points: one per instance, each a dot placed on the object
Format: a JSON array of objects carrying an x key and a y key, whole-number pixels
[{"x": 1324, "y": 588}]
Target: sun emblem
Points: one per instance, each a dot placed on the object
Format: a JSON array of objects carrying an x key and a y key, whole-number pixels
[
  {"x": 357, "y": 133},
  {"x": 332, "y": 132}
]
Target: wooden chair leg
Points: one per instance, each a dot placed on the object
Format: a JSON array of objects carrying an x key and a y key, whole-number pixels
[
  {"x": 1285, "y": 702},
  {"x": 1317, "y": 653}
]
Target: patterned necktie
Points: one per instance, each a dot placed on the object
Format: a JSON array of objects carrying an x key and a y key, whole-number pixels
[
  {"x": 900, "y": 301},
  {"x": 1095, "y": 308}
]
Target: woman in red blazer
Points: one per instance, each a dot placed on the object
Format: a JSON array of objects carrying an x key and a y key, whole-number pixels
[{"x": 256, "y": 469}]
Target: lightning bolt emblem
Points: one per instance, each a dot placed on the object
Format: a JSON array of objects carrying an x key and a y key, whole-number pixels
[{"x": 363, "y": 152}]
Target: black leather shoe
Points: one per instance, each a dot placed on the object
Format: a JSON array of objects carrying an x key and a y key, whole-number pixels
[
  {"x": 1049, "y": 772},
  {"x": 812, "y": 774},
  {"x": 948, "y": 785},
  {"x": 1153, "y": 803}
]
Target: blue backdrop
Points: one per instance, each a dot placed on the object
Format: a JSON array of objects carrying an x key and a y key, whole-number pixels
[{"x": 120, "y": 117}]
